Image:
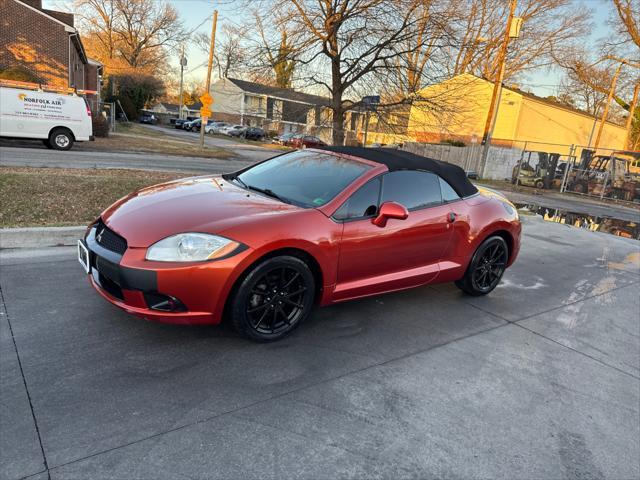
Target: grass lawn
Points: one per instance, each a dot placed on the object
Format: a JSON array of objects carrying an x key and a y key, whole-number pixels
[{"x": 56, "y": 197}]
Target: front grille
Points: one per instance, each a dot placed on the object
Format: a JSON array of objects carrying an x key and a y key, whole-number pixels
[{"x": 107, "y": 238}]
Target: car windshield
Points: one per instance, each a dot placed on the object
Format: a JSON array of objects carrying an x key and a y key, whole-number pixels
[{"x": 307, "y": 179}]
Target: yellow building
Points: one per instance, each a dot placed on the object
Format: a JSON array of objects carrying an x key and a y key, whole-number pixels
[{"x": 457, "y": 110}]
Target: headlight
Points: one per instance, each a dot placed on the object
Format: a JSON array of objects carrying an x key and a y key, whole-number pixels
[{"x": 191, "y": 247}]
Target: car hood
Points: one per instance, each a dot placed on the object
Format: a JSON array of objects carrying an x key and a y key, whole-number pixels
[{"x": 201, "y": 204}]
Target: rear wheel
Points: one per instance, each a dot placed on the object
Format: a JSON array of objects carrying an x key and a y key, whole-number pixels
[
  {"x": 273, "y": 299},
  {"x": 61, "y": 139},
  {"x": 486, "y": 268}
]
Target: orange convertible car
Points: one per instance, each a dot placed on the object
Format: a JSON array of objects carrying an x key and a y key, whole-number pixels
[{"x": 262, "y": 245}]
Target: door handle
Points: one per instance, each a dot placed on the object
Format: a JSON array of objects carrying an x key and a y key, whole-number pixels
[{"x": 451, "y": 217}]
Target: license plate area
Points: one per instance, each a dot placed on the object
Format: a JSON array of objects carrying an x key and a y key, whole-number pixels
[{"x": 83, "y": 257}]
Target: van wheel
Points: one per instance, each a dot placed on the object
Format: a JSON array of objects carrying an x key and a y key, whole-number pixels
[
  {"x": 46, "y": 143},
  {"x": 61, "y": 139}
]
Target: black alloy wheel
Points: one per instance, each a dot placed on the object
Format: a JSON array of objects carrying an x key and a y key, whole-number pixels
[
  {"x": 486, "y": 268},
  {"x": 273, "y": 299}
]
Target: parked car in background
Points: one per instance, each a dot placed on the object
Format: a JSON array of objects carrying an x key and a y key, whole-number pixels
[
  {"x": 148, "y": 119},
  {"x": 58, "y": 119},
  {"x": 179, "y": 122},
  {"x": 215, "y": 127},
  {"x": 194, "y": 126},
  {"x": 306, "y": 141},
  {"x": 283, "y": 139},
  {"x": 234, "y": 130},
  {"x": 254, "y": 133},
  {"x": 187, "y": 124}
]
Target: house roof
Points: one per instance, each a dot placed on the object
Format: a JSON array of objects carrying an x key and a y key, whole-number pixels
[
  {"x": 67, "y": 27},
  {"x": 282, "y": 93}
]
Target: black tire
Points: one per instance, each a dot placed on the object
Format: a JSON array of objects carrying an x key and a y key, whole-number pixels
[
  {"x": 61, "y": 139},
  {"x": 486, "y": 267},
  {"x": 46, "y": 143},
  {"x": 539, "y": 184},
  {"x": 273, "y": 299}
]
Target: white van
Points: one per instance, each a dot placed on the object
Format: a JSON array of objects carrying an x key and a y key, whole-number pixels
[{"x": 59, "y": 119}]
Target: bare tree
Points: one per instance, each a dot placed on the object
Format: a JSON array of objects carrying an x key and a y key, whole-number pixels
[
  {"x": 549, "y": 25},
  {"x": 231, "y": 55},
  {"x": 576, "y": 93},
  {"x": 130, "y": 33},
  {"x": 345, "y": 42},
  {"x": 626, "y": 23},
  {"x": 420, "y": 63},
  {"x": 595, "y": 74}
]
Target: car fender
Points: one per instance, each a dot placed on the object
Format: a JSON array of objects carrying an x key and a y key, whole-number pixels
[{"x": 327, "y": 267}]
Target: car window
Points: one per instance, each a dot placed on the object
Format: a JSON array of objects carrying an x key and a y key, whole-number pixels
[
  {"x": 448, "y": 193},
  {"x": 413, "y": 189},
  {"x": 306, "y": 179},
  {"x": 363, "y": 203}
]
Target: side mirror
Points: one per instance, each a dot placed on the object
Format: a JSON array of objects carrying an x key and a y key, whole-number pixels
[{"x": 390, "y": 210}]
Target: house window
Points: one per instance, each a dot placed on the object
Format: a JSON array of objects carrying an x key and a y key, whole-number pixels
[{"x": 255, "y": 105}]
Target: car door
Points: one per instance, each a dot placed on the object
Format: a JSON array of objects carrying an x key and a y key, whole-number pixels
[{"x": 401, "y": 254}]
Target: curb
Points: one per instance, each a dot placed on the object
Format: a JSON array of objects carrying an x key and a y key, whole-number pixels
[{"x": 39, "y": 237}]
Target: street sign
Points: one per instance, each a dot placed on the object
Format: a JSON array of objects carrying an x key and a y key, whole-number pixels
[
  {"x": 206, "y": 99},
  {"x": 370, "y": 102},
  {"x": 205, "y": 112}
]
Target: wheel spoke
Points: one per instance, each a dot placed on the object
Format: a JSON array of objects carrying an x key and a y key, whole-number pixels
[
  {"x": 297, "y": 292},
  {"x": 291, "y": 280},
  {"x": 262, "y": 317},
  {"x": 258, "y": 308},
  {"x": 291, "y": 302},
  {"x": 284, "y": 314}
]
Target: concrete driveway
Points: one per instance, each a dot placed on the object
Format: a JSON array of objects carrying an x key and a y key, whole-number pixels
[{"x": 541, "y": 379}]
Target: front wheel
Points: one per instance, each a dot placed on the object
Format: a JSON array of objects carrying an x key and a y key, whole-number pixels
[
  {"x": 61, "y": 139},
  {"x": 273, "y": 299},
  {"x": 486, "y": 268}
]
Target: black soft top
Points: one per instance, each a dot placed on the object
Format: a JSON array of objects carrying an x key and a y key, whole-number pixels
[{"x": 401, "y": 160}]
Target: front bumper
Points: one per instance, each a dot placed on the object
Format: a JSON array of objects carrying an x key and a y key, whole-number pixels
[{"x": 128, "y": 281}]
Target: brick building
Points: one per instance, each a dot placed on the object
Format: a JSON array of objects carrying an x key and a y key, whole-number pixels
[{"x": 45, "y": 43}]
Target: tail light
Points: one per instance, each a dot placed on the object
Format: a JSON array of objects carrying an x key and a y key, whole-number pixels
[{"x": 86, "y": 104}]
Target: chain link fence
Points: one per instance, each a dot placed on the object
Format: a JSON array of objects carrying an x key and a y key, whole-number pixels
[{"x": 576, "y": 169}]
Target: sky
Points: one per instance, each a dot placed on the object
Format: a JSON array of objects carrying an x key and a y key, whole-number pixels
[{"x": 197, "y": 14}]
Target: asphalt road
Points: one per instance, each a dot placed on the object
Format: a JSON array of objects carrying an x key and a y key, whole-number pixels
[
  {"x": 42, "y": 157},
  {"x": 540, "y": 379}
]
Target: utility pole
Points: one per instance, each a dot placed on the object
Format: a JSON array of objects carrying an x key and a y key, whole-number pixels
[
  {"x": 497, "y": 86},
  {"x": 632, "y": 111},
  {"x": 605, "y": 113},
  {"x": 183, "y": 63},
  {"x": 207, "y": 96}
]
